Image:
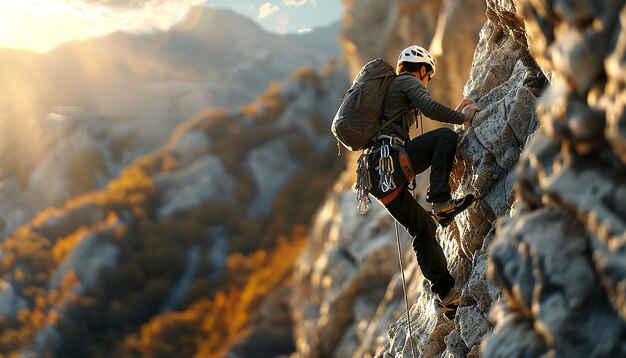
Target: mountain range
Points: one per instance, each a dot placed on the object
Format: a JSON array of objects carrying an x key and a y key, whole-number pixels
[
  {"x": 238, "y": 235},
  {"x": 228, "y": 193},
  {"x": 72, "y": 118}
]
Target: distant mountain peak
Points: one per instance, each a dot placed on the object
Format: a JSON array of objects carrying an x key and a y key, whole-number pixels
[{"x": 215, "y": 20}]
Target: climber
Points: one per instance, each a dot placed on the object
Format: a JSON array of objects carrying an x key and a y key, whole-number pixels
[{"x": 436, "y": 149}]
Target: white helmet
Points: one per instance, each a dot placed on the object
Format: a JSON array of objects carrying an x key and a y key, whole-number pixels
[{"x": 417, "y": 54}]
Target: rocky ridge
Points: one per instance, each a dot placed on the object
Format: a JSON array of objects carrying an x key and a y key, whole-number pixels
[
  {"x": 227, "y": 181},
  {"x": 539, "y": 258},
  {"x": 486, "y": 160},
  {"x": 73, "y": 118},
  {"x": 349, "y": 290},
  {"x": 560, "y": 257}
]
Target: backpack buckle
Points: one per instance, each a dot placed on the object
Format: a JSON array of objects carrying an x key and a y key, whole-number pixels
[{"x": 394, "y": 141}]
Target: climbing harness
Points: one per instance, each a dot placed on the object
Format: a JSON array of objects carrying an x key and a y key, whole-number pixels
[
  {"x": 406, "y": 300},
  {"x": 363, "y": 183},
  {"x": 385, "y": 168},
  {"x": 405, "y": 164}
]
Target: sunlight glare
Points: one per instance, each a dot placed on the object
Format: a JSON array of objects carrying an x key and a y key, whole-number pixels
[{"x": 39, "y": 25}]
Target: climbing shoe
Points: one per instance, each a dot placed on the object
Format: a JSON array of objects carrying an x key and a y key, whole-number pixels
[
  {"x": 444, "y": 212},
  {"x": 450, "y": 303}
]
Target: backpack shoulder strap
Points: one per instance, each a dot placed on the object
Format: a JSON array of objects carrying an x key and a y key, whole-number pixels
[
  {"x": 393, "y": 118},
  {"x": 401, "y": 112}
]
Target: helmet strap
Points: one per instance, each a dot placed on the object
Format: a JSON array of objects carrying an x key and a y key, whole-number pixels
[{"x": 422, "y": 76}]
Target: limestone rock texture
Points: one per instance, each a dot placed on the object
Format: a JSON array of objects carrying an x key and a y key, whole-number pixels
[
  {"x": 560, "y": 258},
  {"x": 488, "y": 154},
  {"x": 340, "y": 309},
  {"x": 347, "y": 288}
]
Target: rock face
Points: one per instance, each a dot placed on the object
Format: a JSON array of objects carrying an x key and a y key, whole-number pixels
[
  {"x": 556, "y": 255},
  {"x": 343, "y": 317},
  {"x": 340, "y": 307},
  {"x": 486, "y": 159},
  {"x": 560, "y": 257}
]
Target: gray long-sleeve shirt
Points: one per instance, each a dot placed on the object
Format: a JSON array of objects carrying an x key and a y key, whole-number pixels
[{"x": 407, "y": 92}]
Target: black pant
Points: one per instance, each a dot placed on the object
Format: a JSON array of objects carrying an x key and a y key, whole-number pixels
[{"x": 437, "y": 149}]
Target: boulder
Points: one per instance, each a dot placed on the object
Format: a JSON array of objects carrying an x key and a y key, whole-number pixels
[{"x": 560, "y": 258}]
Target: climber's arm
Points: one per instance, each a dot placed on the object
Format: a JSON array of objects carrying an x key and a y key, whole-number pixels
[{"x": 420, "y": 98}]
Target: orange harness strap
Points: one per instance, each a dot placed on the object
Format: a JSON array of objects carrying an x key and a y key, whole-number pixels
[
  {"x": 387, "y": 199},
  {"x": 407, "y": 170},
  {"x": 405, "y": 164}
]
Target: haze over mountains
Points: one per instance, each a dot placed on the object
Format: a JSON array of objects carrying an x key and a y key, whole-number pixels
[
  {"x": 152, "y": 178},
  {"x": 73, "y": 117},
  {"x": 209, "y": 246},
  {"x": 230, "y": 193}
]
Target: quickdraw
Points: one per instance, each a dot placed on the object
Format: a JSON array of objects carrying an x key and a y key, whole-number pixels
[
  {"x": 363, "y": 183},
  {"x": 385, "y": 169}
]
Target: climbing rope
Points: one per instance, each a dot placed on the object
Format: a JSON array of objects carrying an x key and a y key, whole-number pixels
[
  {"x": 406, "y": 300},
  {"x": 421, "y": 121}
]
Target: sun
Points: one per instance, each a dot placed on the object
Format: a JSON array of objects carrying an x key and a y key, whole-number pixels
[{"x": 40, "y": 25}]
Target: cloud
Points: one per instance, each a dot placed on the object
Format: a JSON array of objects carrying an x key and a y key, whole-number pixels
[
  {"x": 291, "y": 3},
  {"x": 267, "y": 9},
  {"x": 305, "y": 30},
  {"x": 135, "y": 4},
  {"x": 122, "y": 14},
  {"x": 39, "y": 25},
  {"x": 117, "y": 4}
]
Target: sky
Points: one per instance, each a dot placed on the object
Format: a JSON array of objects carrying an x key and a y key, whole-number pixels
[{"x": 39, "y": 25}]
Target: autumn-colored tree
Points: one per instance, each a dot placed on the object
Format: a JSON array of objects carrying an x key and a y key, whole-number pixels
[
  {"x": 152, "y": 253},
  {"x": 212, "y": 326}
]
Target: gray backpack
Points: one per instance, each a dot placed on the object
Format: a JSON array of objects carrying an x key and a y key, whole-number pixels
[{"x": 358, "y": 120}]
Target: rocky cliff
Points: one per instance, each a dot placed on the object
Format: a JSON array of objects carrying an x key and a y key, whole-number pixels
[
  {"x": 355, "y": 309},
  {"x": 504, "y": 83},
  {"x": 560, "y": 257},
  {"x": 348, "y": 290},
  {"x": 539, "y": 257}
]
